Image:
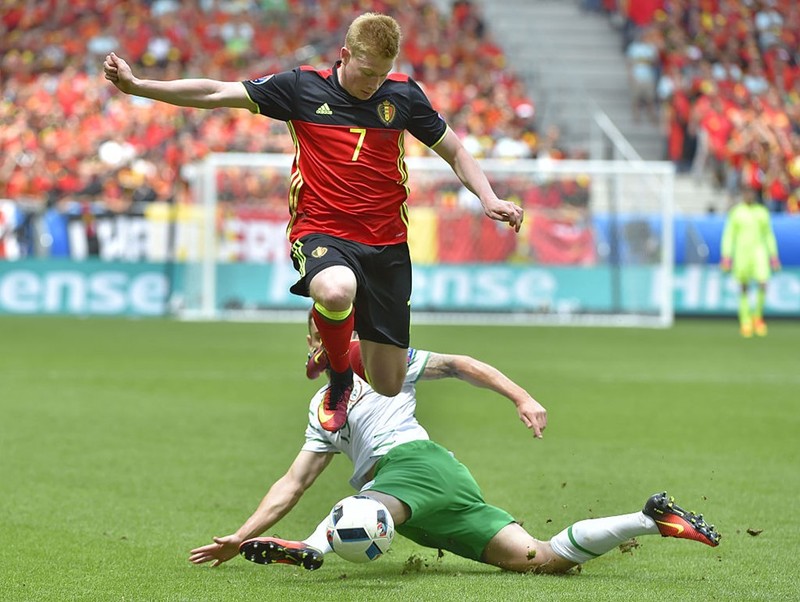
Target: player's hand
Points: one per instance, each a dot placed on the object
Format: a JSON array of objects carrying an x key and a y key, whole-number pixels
[
  {"x": 222, "y": 550},
  {"x": 775, "y": 264},
  {"x": 505, "y": 211},
  {"x": 725, "y": 264},
  {"x": 118, "y": 72},
  {"x": 533, "y": 416}
]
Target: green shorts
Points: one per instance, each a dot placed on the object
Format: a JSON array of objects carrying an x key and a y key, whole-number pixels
[{"x": 447, "y": 507}]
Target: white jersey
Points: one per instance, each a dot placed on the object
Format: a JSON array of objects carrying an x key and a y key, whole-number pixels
[{"x": 375, "y": 423}]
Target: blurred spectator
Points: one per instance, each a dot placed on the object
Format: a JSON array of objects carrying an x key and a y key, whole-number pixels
[
  {"x": 755, "y": 79},
  {"x": 714, "y": 129},
  {"x": 116, "y": 151},
  {"x": 769, "y": 23},
  {"x": 776, "y": 185},
  {"x": 510, "y": 145},
  {"x": 636, "y": 16},
  {"x": 643, "y": 59}
]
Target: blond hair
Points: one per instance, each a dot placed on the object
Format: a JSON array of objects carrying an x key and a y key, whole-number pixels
[{"x": 374, "y": 35}]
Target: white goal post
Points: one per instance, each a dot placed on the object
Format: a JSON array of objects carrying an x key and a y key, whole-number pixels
[{"x": 596, "y": 247}]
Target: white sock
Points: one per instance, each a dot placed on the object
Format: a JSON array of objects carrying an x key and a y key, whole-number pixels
[
  {"x": 594, "y": 537},
  {"x": 319, "y": 538}
]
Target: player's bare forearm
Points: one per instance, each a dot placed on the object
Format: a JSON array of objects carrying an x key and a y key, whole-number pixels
[
  {"x": 481, "y": 374},
  {"x": 468, "y": 369},
  {"x": 469, "y": 171},
  {"x": 280, "y": 499},
  {"x": 197, "y": 93},
  {"x": 284, "y": 494},
  {"x": 466, "y": 167}
]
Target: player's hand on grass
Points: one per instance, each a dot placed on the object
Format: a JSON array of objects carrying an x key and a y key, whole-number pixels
[
  {"x": 118, "y": 72},
  {"x": 725, "y": 264},
  {"x": 533, "y": 416},
  {"x": 222, "y": 550},
  {"x": 505, "y": 211}
]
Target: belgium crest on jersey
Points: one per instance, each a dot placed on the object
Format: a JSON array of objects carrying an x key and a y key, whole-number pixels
[{"x": 386, "y": 111}]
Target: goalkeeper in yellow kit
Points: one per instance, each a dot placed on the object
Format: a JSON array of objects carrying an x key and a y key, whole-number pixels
[{"x": 750, "y": 250}]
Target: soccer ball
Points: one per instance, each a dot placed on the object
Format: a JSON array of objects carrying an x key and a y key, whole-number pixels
[{"x": 360, "y": 528}]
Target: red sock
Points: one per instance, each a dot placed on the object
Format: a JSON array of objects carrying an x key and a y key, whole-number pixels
[
  {"x": 356, "y": 363},
  {"x": 336, "y": 338}
]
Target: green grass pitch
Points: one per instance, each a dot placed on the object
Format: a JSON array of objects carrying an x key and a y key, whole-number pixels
[{"x": 124, "y": 444}]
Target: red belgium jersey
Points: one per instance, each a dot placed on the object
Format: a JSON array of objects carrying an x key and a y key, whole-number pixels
[{"x": 349, "y": 175}]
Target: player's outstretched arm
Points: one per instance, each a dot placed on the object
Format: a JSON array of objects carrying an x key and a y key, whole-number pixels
[
  {"x": 480, "y": 374},
  {"x": 280, "y": 499},
  {"x": 471, "y": 175},
  {"x": 197, "y": 93}
]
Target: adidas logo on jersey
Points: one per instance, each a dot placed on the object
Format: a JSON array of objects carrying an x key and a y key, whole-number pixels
[{"x": 324, "y": 109}]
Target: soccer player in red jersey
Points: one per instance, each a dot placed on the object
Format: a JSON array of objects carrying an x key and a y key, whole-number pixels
[{"x": 347, "y": 196}]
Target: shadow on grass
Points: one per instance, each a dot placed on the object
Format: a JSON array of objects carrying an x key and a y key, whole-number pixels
[{"x": 414, "y": 568}]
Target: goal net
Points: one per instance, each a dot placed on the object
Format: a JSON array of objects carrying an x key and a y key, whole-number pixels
[{"x": 595, "y": 247}]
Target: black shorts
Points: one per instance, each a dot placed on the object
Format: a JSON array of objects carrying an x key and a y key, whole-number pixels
[{"x": 383, "y": 279}]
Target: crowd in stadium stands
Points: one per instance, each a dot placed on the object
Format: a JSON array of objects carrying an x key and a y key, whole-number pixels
[
  {"x": 726, "y": 79},
  {"x": 728, "y": 85},
  {"x": 67, "y": 135}
]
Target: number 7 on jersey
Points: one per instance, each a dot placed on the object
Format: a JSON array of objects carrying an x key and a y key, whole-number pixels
[{"x": 362, "y": 132}]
